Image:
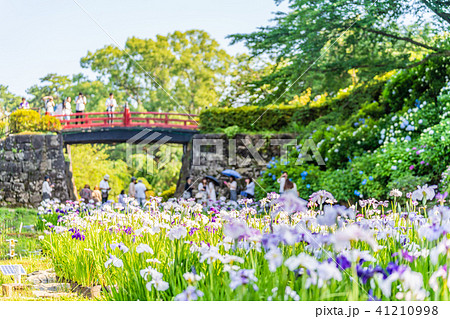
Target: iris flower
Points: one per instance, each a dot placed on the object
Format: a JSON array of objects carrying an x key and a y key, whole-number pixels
[
  {"x": 116, "y": 262},
  {"x": 423, "y": 192},
  {"x": 191, "y": 293},
  {"x": 275, "y": 258},
  {"x": 144, "y": 248}
]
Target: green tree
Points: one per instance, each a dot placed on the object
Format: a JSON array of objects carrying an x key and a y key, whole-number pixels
[
  {"x": 317, "y": 43},
  {"x": 239, "y": 86},
  {"x": 160, "y": 177},
  {"x": 62, "y": 86},
  {"x": 183, "y": 71},
  {"x": 50, "y": 85},
  {"x": 90, "y": 163}
]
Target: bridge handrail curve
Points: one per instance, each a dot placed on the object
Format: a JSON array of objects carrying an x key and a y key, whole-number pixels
[{"x": 127, "y": 119}]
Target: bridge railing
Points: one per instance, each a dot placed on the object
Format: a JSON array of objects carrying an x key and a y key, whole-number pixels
[{"x": 128, "y": 119}]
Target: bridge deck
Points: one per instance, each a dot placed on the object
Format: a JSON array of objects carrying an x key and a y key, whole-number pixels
[
  {"x": 120, "y": 127},
  {"x": 134, "y": 135}
]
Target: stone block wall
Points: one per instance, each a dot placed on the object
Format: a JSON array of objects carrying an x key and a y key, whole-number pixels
[
  {"x": 207, "y": 161},
  {"x": 24, "y": 161}
]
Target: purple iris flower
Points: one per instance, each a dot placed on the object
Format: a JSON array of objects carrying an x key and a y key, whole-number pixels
[
  {"x": 365, "y": 273},
  {"x": 407, "y": 256},
  {"x": 270, "y": 240},
  {"x": 128, "y": 230},
  {"x": 192, "y": 231},
  {"x": 393, "y": 267},
  {"x": 77, "y": 234},
  {"x": 372, "y": 297},
  {"x": 342, "y": 262}
]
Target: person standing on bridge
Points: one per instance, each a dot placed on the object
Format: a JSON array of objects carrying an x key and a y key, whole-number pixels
[
  {"x": 67, "y": 108},
  {"x": 104, "y": 188},
  {"x": 49, "y": 105},
  {"x": 80, "y": 103},
  {"x": 110, "y": 104},
  {"x": 24, "y": 105}
]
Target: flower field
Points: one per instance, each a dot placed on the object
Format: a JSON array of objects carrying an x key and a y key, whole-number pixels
[{"x": 280, "y": 248}]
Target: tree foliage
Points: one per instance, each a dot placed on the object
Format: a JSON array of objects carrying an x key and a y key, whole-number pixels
[
  {"x": 62, "y": 86},
  {"x": 182, "y": 71},
  {"x": 8, "y": 101},
  {"x": 317, "y": 43}
]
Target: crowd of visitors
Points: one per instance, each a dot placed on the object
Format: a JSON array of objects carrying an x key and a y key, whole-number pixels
[
  {"x": 64, "y": 109},
  {"x": 206, "y": 190}
]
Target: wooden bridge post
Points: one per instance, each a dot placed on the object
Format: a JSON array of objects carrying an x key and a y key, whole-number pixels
[{"x": 126, "y": 117}]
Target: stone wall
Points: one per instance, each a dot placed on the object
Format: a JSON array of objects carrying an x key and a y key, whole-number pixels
[
  {"x": 24, "y": 161},
  {"x": 217, "y": 154}
]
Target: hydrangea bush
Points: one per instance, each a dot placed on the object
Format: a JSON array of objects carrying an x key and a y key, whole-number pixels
[{"x": 367, "y": 156}]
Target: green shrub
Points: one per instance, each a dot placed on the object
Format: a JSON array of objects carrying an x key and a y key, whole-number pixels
[
  {"x": 419, "y": 83},
  {"x": 271, "y": 118},
  {"x": 168, "y": 193},
  {"x": 50, "y": 123},
  {"x": 31, "y": 121},
  {"x": 300, "y": 114},
  {"x": 231, "y": 131},
  {"x": 24, "y": 120}
]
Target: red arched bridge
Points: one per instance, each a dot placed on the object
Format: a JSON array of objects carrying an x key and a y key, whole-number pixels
[{"x": 120, "y": 127}]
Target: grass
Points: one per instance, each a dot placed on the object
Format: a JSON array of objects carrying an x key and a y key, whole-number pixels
[
  {"x": 10, "y": 228},
  {"x": 27, "y": 244}
]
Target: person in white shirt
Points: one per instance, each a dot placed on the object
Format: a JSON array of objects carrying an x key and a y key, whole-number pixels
[
  {"x": 282, "y": 181},
  {"x": 211, "y": 191},
  {"x": 67, "y": 108},
  {"x": 290, "y": 187},
  {"x": 47, "y": 189},
  {"x": 140, "y": 192},
  {"x": 49, "y": 105},
  {"x": 250, "y": 189},
  {"x": 80, "y": 105},
  {"x": 111, "y": 105},
  {"x": 232, "y": 185},
  {"x": 203, "y": 190},
  {"x": 24, "y": 105},
  {"x": 59, "y": 109},
  {"x": 104, "y": 188}
]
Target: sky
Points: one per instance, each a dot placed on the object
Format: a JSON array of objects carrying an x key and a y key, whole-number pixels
[{"x": 38, "y": 37}]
